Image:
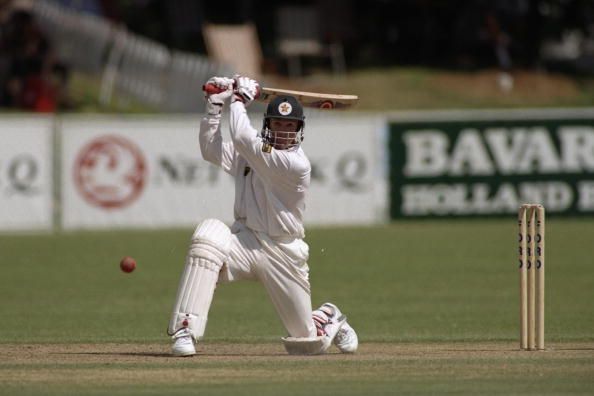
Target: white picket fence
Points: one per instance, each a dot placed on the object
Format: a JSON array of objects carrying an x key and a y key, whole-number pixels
[{"x": 130, "y": 65}]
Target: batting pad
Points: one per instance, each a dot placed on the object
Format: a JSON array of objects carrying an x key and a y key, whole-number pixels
[
  {"x": 307, "y": 345},
  {"x": 207, "y": 254}
]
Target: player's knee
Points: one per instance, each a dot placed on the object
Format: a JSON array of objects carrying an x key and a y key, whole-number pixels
[{"x": 211, "y": 240}]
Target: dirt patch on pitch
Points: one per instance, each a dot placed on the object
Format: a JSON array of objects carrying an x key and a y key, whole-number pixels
[
  {"x": 117, "y": 364},
  {"x": 41, "y": 354}
]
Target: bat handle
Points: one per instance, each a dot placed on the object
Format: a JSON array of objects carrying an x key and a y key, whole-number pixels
[{"x": 211, "y": 89}]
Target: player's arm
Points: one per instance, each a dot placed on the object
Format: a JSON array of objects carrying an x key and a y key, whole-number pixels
[
  {"x": 212, "y": 146},
  {"x": 260, "y": 155},
  {"x": 283, "y": 169}
]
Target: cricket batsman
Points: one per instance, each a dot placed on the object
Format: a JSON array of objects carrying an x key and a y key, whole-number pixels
[{"x": 265, "y": 243}]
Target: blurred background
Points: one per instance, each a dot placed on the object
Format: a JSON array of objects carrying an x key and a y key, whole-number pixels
[
  {"x": 153, "y": 55},
  {"x": 467, "y": 108}
]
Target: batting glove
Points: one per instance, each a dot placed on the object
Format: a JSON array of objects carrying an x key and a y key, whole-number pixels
[
  {"x": 216, "y": 101},
  {"x": 246, "y": 89}
]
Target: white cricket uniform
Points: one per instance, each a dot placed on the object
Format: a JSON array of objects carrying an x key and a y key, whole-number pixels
[{"x": 267, "y": 236}]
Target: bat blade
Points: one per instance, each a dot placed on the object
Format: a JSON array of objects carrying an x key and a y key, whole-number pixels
[
  {"x": 307, "y": 99},
  {"x": 311, "y": 99}
]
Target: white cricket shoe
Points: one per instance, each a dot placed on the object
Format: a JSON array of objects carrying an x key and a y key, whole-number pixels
[
  {"x": 183, "y": 343},
  {"x": 346, "y": 339}
]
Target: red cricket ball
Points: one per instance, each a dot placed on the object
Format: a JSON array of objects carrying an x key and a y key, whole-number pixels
[{"x": 128, "y": 264}]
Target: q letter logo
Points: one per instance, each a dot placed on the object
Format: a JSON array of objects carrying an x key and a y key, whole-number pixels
[{"x": 110, "y": 172}]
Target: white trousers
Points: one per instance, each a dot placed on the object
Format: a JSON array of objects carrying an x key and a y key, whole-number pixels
[{"x": 281, "y": 266}]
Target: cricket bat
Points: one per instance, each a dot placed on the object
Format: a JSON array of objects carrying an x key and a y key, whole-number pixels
[{"x": 307, "y": 99}]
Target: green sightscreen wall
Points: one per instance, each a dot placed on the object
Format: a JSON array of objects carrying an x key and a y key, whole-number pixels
[{"x": 488, "y": 168}]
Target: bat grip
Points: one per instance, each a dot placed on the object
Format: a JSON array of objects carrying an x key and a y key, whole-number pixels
[{"x": 211, "y": 89}]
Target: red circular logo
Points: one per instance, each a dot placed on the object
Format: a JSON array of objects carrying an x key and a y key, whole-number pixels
[{"x": 109, "y": 172}]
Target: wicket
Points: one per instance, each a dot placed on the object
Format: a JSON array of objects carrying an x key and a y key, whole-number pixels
[{"x": 531, "y": 223}]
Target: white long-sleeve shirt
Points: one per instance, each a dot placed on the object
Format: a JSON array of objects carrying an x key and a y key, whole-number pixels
[{"x": 270, "y": 184}]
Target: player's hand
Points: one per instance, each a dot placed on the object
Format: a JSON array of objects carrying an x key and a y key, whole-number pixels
[
  {"x": 216, "y": 101},
  {"x": 246, "y": 89}
]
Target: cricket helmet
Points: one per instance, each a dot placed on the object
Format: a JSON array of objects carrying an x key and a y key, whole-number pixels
[{"x": 285, "y": 108}]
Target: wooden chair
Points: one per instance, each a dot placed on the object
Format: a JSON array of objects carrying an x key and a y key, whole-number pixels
[
  {"x": 235, "y": 45},
  {"x": 298, "y": 32}
]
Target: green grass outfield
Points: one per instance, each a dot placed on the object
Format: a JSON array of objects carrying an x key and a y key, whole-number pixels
[{"x": 435, "y": 304}]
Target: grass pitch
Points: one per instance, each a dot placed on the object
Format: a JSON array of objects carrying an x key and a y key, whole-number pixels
[{"x": 435, "y": 305}]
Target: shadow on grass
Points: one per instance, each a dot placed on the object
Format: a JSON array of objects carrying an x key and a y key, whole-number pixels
[{"x": 168, "y": 355}]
